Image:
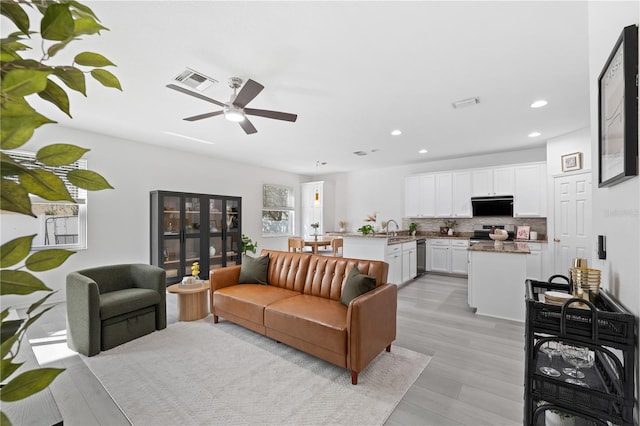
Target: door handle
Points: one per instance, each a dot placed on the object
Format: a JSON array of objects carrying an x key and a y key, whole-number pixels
[{"x": 556, "y": 240}]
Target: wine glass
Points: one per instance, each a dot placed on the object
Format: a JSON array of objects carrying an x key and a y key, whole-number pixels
[
  {"x": 579, "y": 357},
  {"x": 551, "y": 349}
]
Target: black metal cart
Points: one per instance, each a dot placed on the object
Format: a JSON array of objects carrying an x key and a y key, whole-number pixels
[{"x": 606, "y": 328}]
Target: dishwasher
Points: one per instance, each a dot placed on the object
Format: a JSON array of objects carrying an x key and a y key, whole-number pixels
[{"x": 421, "y": 254}]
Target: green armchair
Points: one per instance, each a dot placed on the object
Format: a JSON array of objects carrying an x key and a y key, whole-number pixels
[{"x": 110, "y": 305}]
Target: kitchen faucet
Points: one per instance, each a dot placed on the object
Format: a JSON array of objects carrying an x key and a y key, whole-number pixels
[{"x": 397, "y": 227}]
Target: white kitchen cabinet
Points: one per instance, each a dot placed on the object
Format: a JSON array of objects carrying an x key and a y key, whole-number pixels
[
  {"x": 530, "y": 195},
  {"x": 439, "y": 254},
  {"x": 409, "y": 261},
  {"x": 461, "y": 194},
  {"x": 393, "y": 257},
  {"x": 537, "y": 261},
  {"x": 412, "y": 196},
  {"x": 447, "y": 255},
  {"x": 428, "y": 195},
  {"x": 492, "y": 181},
  {"x": 443, "y": 197},
  {"x": 459, "y": 257}
]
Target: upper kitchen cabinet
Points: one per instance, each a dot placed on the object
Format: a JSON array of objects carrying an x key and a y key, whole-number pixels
[
  {"x": 461, "y": 194},
  {"x": 443, "y": 197},
  {"x": 530, "y": 196},
  {"x": 492, "y": 181},
  {"x": 419, "y": 196}
]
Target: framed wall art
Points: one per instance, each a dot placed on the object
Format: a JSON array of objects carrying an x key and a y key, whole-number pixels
[
  {"x": 522, "y": 232},
  {"x": 571, "y": 162},
  {"x": 618, "y": 112}
]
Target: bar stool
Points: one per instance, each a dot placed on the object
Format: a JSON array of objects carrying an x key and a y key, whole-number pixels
[
  {"x": 336, "y": 244},
  {"x": 296, "y": 243}
]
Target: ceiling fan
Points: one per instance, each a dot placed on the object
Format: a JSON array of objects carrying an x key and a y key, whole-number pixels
[{"x": 235, "y": 110}]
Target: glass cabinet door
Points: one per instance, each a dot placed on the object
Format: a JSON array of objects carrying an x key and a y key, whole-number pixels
[
  {"x": 216, "y": 225},
  {"x": 232, "y": 236},
  {"x": 171, "y": 247}
]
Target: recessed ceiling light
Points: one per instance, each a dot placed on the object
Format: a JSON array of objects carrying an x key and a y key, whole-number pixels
[
  {"x": 534, "y": 134},
  {"x": 539, "y": 104},
  {"x": 360, "y": 153},
  {"x": 396, "y": 132},
  {"x": 189, "y": 137},
  {"x": 423, "y": 151}
]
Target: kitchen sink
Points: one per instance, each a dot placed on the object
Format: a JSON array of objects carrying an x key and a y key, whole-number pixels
[{"x": 398, "y": 240}]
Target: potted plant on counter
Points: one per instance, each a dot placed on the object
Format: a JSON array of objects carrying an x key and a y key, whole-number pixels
[
  {"x": 366, "y": 230},
  {"x": 413, "y": 227}
]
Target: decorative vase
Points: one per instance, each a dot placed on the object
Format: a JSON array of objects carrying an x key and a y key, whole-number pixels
[
  {"x": 450, "y": 232},
  {"x": 212, "y": 251},
  {"x": 341, "y": 230},
  {"x": 413, "y": 233}
]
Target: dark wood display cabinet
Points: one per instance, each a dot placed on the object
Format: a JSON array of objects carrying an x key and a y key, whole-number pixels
[
  {"x": 188, "y": 228},
  {"x": 606, "y": 331}
]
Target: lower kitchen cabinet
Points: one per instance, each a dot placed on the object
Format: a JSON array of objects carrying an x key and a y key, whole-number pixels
[
  {"x": 409, "y": 261},
  {"x": 537, "y": 261},
  {"x": 393, "y": 257},
  {"x": 448, "y": 256}
]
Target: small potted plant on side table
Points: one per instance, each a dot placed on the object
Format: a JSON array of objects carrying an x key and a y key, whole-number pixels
[
  {"x": 315, "y": 227},
  {"x": 248, "y": 245}
]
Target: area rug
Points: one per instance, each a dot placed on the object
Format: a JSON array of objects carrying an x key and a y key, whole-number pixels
[{"x": 200, "y": 373}]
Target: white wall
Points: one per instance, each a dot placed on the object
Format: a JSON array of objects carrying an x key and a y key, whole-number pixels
[
  {"x": 359, "y": 194},
  {"x": 578, "y": 141},
  {"x": 616, "y": 212},
  {"x": 118, "y": 220}
]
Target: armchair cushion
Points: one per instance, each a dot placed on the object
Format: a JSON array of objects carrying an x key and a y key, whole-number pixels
[{"x": 127, "y": 300}]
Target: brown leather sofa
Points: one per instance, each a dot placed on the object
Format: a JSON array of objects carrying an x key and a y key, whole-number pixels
[{"x": 300, "y": 306}]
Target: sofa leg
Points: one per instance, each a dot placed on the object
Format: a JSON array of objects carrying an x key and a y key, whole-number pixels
[
  {"x": 215, "y": 319},
  {"x": 388, "y": 348},
  {"x": 354, "y": 377}
]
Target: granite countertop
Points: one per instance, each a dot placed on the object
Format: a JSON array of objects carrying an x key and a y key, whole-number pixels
[{"x": 507, "y": 247}]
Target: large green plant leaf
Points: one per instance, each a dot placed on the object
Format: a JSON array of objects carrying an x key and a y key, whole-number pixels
[
  {"x": 14, "y": 198},
  {"x": 72, "y": 77},
  {"x": 57, "y": 96},
  {"x": 9, "y": 167},
  {"x": 55, "y": 48},
  {"x": 19, "y": 120},
  {"x": 106, "y": 78},
  {"x": 46, "y": 185},
  {"x": 15, "y": 13},
  {"x": 35, "y": 305},
  {"x": 28, "y": 383},
  {"x": 47, "y": 259},
  {"x": 92, "y": 60},
  {"x": 88, "y": 179},
  {"x": 8, "y": 367},
  {"x": 83, "y": 10},
  {"x": 15, "y": 250},
  {"x": 24, "y": 82},
  {"x": 57, "y": 23},
  {"x": 60, "y": 154},
  {"x": 20, "y": 282},
  {"x": 6, "y": 345},
  {"x": 87, "y": 25}
]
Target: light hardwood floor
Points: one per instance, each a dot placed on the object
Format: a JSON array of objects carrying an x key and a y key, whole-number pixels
[{"x": 476, "y": 375}]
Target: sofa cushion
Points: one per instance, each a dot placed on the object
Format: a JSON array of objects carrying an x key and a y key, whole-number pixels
[
  {"x": 248, "y": 300},
  {"x": 128, "y": 300},
  {"x": 254, "y": 270},
  {"x": 312, "y": 319},
  {"x": 355, "y": 285}
]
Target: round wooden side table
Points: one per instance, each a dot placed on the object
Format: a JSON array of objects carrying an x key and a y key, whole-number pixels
[{"x": 193, "y": 303}]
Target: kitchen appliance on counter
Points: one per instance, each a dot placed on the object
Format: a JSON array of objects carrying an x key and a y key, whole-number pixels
[
  {"x": 481, "y": 233},
  {"x": 492, "y": 206}
]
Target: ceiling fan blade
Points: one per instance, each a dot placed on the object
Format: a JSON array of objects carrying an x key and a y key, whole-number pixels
[
  {"x": 201, "y": 116},
  {"x": 195, "y": 95},
  {"x": 247, "y": 126},
  {"x": 271, "y": 114},
  {"x": 249, "y": 91}
]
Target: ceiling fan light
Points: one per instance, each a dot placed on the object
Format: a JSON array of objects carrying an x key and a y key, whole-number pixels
[{"x": 232, "y": 114}]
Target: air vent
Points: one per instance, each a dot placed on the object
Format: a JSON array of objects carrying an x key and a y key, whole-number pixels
[
  {"x": 360, "y": 153},
  {"x": 466, "y": 102},
  {"x": 195, "y": 80}
]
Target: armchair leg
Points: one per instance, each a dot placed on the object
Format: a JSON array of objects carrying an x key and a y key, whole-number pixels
[
  {"x": 388, "y": 348},
  {"x": 354, "y": 377},
  {"x": 215, "y": 319}
]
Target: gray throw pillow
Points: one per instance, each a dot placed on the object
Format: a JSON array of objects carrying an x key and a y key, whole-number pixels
[
  {"x": 356, "y": 285},
  {"x": 254, "y": 270}
]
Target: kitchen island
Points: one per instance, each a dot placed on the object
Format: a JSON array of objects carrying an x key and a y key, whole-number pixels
[
  {"x": 496, "y": 279},
  {"x": 398, "y": 251}
]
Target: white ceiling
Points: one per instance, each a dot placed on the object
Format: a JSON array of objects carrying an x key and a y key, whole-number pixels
[{"x": 352, "y": 71}]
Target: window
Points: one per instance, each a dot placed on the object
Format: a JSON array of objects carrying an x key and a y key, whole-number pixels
[
  {"x": 59, "y": 224},
  {"x": 277, "y": 210}
]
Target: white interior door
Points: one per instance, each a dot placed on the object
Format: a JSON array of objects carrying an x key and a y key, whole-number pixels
[{"x": 572, "y": 218}]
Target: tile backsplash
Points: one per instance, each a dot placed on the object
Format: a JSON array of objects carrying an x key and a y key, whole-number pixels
[{"x": 467, "y": 224}]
